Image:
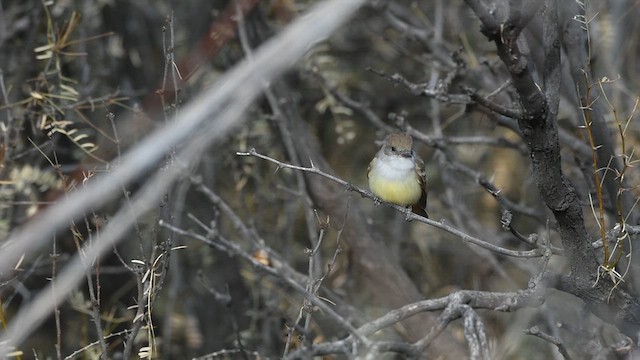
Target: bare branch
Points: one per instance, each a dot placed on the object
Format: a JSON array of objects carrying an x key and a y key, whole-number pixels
[
  {"x": 409, "y": 215},
  {"x": 535, "y": 331}
]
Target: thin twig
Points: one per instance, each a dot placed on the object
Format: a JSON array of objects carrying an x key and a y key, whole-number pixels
[
  {"x": 85, "y": 348},
  {"x": 407, "y": 212},
  {"x": 535, "y": 331},
  {"x": 222, "y": 243}
]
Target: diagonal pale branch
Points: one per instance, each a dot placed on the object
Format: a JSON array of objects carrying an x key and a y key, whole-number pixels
[
  {"x": 244, "y": 81},
  {"x": 197, "y": 127}
]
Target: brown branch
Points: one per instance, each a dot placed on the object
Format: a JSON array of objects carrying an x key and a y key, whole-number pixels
[
  {"x": 492, "y": 106},
  {"x": 440, "y": 92},
  {"x": 539, "y": 129}
]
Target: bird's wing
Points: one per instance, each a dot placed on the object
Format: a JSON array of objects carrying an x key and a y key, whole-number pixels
[
  {"x": 420, "y": 207},
  {"x": 370, "y": 166}
]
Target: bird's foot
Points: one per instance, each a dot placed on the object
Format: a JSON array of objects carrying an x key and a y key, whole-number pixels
[{"x": 408, "y": 213}]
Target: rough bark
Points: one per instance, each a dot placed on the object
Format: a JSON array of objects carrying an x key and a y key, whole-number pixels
[{"x": 540, "y": 131}]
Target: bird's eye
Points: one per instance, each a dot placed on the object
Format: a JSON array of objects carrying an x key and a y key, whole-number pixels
[{"x": 393, "y": 148}]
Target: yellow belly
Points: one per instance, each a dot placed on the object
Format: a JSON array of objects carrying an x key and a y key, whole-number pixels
[{"x": 401, "y": 192}]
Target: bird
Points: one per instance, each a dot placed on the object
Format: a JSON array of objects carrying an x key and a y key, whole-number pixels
[{"x": 396, "y": 174}]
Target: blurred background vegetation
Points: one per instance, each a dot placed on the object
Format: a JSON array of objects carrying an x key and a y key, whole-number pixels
[{"x": 82, "y": 81}]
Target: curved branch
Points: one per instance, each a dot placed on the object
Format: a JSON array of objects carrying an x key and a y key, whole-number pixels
[{"x": 455, "y": 305}]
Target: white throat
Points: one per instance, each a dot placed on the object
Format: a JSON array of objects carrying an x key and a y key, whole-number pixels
[{"x": 394, "y": 166}]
